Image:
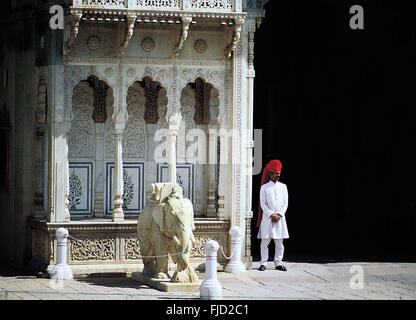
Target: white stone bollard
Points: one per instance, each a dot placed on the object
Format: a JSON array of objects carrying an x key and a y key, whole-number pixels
[
  {"x": 61, "y": 270},
  {"x": 235, "y": 265},
  {"x": 211, "y": 287}
]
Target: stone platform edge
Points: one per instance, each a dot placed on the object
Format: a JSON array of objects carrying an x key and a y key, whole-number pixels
[{"x": 165, "y": 284}]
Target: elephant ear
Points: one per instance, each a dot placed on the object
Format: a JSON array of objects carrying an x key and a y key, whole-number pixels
[
  {"x": 158, "y": 215},
  {"x": 184, "y": 211},
  {"x": 176, "y": 205}
]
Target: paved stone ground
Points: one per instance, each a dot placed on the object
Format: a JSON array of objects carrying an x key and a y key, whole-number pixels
[{"x": 302, "y": 281}]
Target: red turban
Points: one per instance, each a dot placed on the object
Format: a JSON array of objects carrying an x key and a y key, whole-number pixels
[{"x": 272, "y": 166}]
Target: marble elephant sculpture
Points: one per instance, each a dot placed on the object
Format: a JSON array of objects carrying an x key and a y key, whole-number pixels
[{"x": 166, "y": 227}]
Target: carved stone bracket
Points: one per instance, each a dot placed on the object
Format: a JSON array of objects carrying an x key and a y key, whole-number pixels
[
  {"x": 238, "y": 23},
  {"x": 131, "y": 19},
  {"x": 76, "y": 18},
  {"x": 186, "y": 21}
]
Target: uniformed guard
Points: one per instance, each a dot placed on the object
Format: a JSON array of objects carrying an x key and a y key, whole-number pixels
[{"x": 271, "y": 215}]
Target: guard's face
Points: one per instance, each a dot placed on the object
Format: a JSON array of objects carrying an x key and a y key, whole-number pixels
[{"x": 274, "y": 176}]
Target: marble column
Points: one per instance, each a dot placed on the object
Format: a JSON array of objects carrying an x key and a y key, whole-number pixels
[
  {"x": 59, "y": 119},
  {"x": 210, "y": 169},
  {"x": 59, "y": 167},
  {"x": 249, "y": 138},
  {"x": 173, "y": 128},
  {"x": 99, "y": 172},
  {"x": 45, "y": 168},
  {"x": 151, "y": 167},
  {"x": 118, "y": 183},
  {"x": 40, "y": 152},
  {"x": 119, "y": 117},
  {"x": 66, "y": 173},
  {"x": 39, "y": 211},
  {"x": 224, "y": 168}
]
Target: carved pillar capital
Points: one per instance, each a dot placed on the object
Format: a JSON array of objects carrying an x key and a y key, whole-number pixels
[
  {"x": 173, "y": 122},
  {"x": 119, "y": 120}
]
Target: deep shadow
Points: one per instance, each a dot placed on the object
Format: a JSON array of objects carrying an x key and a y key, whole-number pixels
[
  {"x": 337, "y": 107},
  {"x": 7, "y": 270}
]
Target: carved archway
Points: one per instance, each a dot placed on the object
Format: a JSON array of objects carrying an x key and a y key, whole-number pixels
[
  {"x": 146, "y": 106},
  {"x": 92, "y": 103},
  {"x": 197, "y": 143}
]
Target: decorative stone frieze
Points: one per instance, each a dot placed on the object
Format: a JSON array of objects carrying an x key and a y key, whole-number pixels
[
  {"x": 92, "y": 249},
  {"x": 131, "y": 249},
  {"x": 237, "y": 113},
  {"x": 113, "y": 243},
  {"x": 134, "y": 140}
]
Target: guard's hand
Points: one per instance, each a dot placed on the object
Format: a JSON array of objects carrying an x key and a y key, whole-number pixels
[{"x": 275, "y": 217}]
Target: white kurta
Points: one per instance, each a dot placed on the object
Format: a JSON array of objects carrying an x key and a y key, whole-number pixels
[{"x": 273, "y": 199}]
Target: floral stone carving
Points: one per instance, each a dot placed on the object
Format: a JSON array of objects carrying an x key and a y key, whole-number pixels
[
  {"x": 128, "y": 192},
  {"x": 92, "y": 249},
  {"x": 148, "y": 44},
  {"x": 93, "y": 43},
  {"x": 200, "y": 46},
  {"x": 75, "y": 191}
]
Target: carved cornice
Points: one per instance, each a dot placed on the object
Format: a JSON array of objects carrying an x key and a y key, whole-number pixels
[
  {"x": 158, "y": 13},
  {"x": 169, "y": 27},
  {"x": 211, "y": 226},
  {"x": 77, "y": 227},
  {"x": 105, "y": 227},
  {"x": 256, "y": 13}
]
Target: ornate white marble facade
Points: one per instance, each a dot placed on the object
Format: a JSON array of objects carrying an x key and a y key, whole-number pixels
[{"x": 139, "y": 88}]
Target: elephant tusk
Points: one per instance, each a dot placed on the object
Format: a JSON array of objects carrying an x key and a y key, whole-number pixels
[
  {"x": 176, "y": 240},
  {"x": 192, "y": 238}
]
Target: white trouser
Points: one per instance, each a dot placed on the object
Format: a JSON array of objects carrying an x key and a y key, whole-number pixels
[{"x": 278, "y": 253}]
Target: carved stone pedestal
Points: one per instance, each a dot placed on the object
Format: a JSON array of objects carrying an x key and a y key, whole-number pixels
[{"x": 106, "y": 246}]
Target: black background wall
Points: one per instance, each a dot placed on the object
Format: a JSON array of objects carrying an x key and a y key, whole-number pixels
[{"x": 337, "y": 107}]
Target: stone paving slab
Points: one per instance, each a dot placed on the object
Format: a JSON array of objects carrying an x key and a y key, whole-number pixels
[{"x": 302, "y": 281}]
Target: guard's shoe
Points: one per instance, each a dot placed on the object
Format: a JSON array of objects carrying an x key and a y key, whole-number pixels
[
  {"x": 281, "y": 267},
  {"x": 262, "y": 268}
]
